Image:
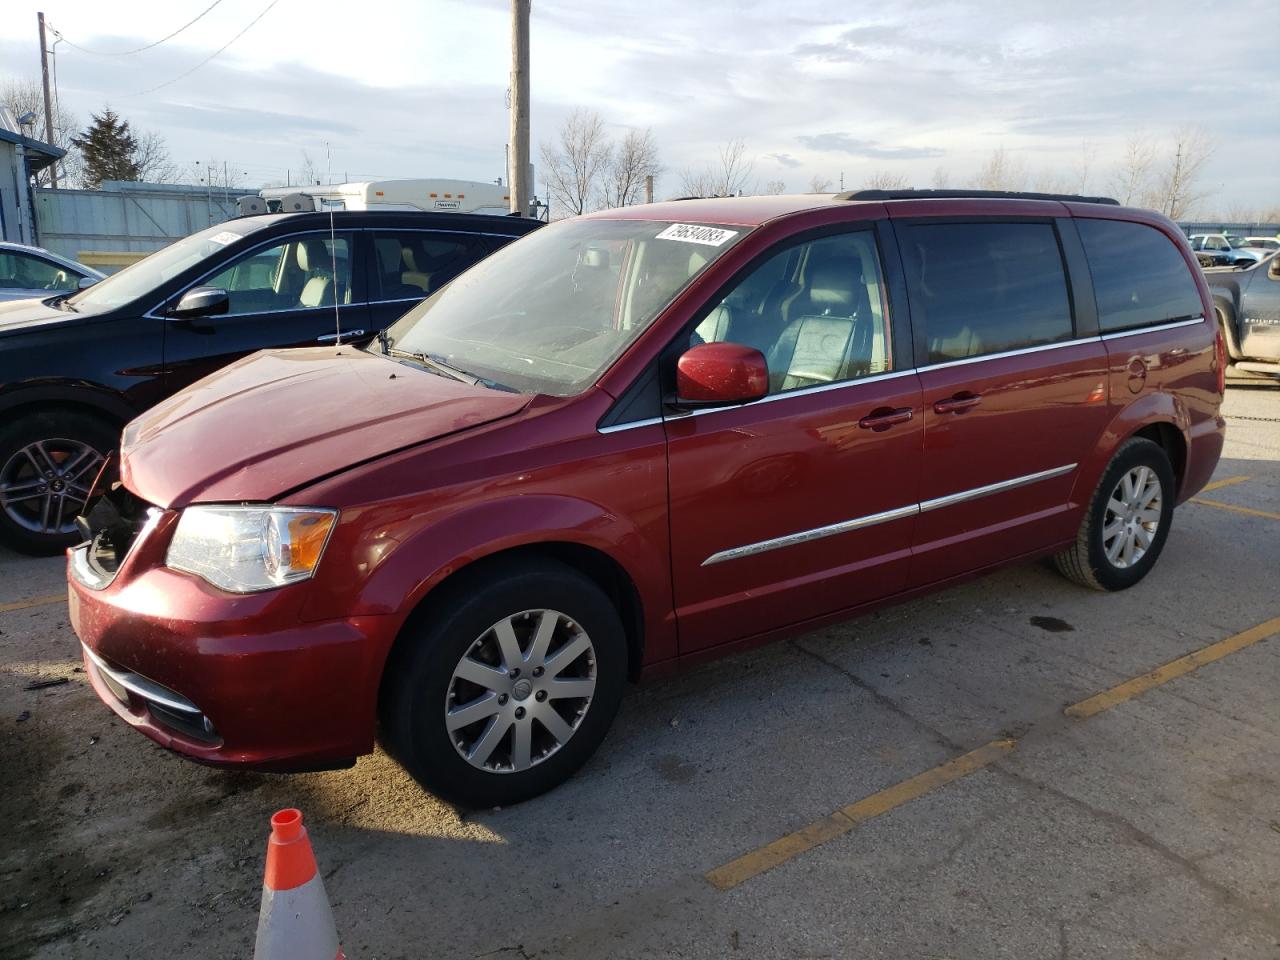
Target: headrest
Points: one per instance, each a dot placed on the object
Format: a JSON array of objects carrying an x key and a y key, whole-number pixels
[
  {"x": 832, "y": 282},
  {"x": 312, "y": 255}
]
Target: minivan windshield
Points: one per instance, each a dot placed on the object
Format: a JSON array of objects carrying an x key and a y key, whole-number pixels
[
  {"x": 144, "y": 276},
  {"x": 550, "y": 312}
]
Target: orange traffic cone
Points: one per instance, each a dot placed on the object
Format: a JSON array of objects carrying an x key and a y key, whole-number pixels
[{"x": 295, "y": 921}]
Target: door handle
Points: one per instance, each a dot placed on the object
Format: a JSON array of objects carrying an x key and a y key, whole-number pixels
[
  {"x": 882, "y": 418},
  {"x": 346, "y": 334},
  {"x": 957, "y": 404}
]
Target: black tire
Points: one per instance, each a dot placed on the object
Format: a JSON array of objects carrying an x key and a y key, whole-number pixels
[
  {"x": 21, "y": 520},
  {"x": 420, "y": 672},
  {"x": 1086, "y": 561}
]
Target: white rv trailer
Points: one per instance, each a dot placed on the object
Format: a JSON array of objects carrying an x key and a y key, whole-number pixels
[{"x": 451, "y": 196}]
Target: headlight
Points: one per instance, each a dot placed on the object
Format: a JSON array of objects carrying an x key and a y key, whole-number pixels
[{"x": 244, "y": 549}]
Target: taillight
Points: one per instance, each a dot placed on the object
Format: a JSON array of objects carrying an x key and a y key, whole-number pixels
[{"x": 1220, "y": 357}]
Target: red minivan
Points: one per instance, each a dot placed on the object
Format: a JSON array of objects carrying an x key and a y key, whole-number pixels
[{"x": 635, "y": 439}]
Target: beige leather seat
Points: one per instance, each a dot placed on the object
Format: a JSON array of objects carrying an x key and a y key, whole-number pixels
[
  {"x": 817, "y": 346},
  {"x": 314, "y": 261}
]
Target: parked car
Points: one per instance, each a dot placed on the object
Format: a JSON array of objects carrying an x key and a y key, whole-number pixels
[
  {"x": 27, "y": 272},
  {"x": 1219, "y": 250},
  {"x": 76, "y": 367},
  {"x": 1263, "y": 245},
  {"x": 635, "y": 439},
  {"x": 1246, "y": 304}
]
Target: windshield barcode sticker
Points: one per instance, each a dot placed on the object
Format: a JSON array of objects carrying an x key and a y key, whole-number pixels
[
  {"x": 692, "y": 233},
  {"x": 225, "y": 237}
]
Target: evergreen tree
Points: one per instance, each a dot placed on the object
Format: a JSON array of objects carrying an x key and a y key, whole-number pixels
[{"x": 108, "y": 149}]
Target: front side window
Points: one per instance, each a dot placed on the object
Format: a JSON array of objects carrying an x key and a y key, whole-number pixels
[
  {"x": 550, "y": 312},
  {"x": 295, "y": 274},
  {"x": 816, "y": 311},
  {"x": 143, "y": 277},
  {"x": 412, "y": 265},
  {"x": 984, "y": 288},
  {"x": 21, "y": 271},
  {"x": 1139, "y": 277}
]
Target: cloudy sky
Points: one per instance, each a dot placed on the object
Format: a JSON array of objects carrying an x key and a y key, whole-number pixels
[{"x": 416, "y": 87}]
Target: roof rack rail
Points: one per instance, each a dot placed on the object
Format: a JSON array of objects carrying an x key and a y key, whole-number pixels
[{"x": 968, "y": 194}]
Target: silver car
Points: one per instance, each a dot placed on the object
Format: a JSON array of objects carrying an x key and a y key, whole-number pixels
[{"x": 27, "y": 272}]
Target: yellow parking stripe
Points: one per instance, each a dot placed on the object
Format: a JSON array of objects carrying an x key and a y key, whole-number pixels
[
  {"x": 1224, "y": 482},
  {"x": 846, "y": 818},
  {"x": 1234, "y": 509},
  {"x": 1175, "y": 668},
  {"x": 842, "y": 821},
  {"x": 33, "y": 602}
]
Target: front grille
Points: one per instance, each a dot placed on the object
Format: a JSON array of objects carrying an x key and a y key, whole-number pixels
[{"x": 112, "y": 527}]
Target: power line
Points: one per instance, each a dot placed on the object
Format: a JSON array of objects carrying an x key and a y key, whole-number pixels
[
  {"x": 126, "y": 53},
  {"x": 211, "y": 56}
]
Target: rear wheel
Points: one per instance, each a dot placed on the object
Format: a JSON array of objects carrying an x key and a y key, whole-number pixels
[
  {"x": 507, "y": 687},
  {"x": 1127, "y": 522},
  {"x": 48, "y": 462}
]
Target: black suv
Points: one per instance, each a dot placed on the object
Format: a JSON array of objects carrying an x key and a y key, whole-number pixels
[{"x": 75, "y": 368}]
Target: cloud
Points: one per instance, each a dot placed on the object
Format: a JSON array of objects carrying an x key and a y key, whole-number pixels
[
  {"x": 784, "y": 160},
  {"x": 843, "y": 143}
]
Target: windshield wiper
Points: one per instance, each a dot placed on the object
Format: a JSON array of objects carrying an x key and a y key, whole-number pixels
[{"x": 431, "y": 363}]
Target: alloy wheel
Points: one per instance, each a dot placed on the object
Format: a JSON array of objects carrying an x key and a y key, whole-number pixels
[
  {"x": 1133, "y": 516},
  {"x": 521, "y": 691},
  {"x": 44, "y": 485}
]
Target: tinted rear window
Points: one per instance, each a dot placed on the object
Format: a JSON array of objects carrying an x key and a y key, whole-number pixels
[
  {"x": 982, "y": 288},
  {"x": 1139, "y": 277}
]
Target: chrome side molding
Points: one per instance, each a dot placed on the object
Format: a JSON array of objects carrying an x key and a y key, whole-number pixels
[{"x": 870, "y": 520}]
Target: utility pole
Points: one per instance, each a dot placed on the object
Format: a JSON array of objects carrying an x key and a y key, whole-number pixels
[
  {"x": 648, "y": 188},
  {"x": 48, "y": 108},
  {"x": 518, "y": 159}
]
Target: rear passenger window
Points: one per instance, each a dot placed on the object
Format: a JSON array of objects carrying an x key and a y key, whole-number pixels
[
  {"x": 1139, "y": 277},
  {"x": 982, "y": 288},
  {"x": 412, "y": 265}
]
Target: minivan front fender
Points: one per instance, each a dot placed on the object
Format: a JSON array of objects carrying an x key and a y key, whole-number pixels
[{"x": 406, "y": 569}]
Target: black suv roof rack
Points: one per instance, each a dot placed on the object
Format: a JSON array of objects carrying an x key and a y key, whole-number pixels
[{"x": 968, "y": 194}]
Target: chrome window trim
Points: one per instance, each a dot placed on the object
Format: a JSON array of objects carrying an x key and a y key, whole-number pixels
[
  {"x": 140, "y": 686},
  {"x": 817, "y": 533},
  {"x": 630, "y": 425},
  {"x": 1155, "y": 329},
  {"x": 973, "y": 494},
  {"x": 1021, "y": 351},
  {"x": 845, "y": 526}
]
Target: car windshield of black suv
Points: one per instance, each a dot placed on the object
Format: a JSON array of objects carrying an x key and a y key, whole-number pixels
[
  {"x": 141, "y": 278},
  {"x": 549, "y": 313}
]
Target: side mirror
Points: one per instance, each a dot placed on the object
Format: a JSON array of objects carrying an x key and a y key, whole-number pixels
[
  {"x": 201, "y": 302},
  {"x": 84, "y": 282},
  {"x": 720, "y": 374}
]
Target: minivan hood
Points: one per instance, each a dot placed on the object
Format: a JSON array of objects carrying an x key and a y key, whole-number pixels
[{"x": 280, "y": 418}]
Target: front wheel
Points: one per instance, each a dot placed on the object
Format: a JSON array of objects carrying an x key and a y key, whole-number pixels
[
  {"x": 1127, "y": 522},
  {"x": 502, "y": 690},
  {"x": 48, "y": 462}
]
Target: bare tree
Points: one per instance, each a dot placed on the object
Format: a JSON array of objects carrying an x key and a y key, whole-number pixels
[
  {"x": 886, "y": 180},
  {"x": 635, "y": 158},
  {"x": 1176, "y": 188},
  {"x": 941, "y": 178},
  {"x": 23, "y": 96},
  {"x": 1002, "y": 172},
  {"x": 727, "y": 179},
  {"x": 775, "y": 187},
  {"x": 576, "y": 162},
  {"x": 151, "y": 156},
  {"x": 1131, "y": 179},
  {"x": 819, "y": 184},
  {"x": 219, "y": 174},
  {"x": 1084, "y": 166}
]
